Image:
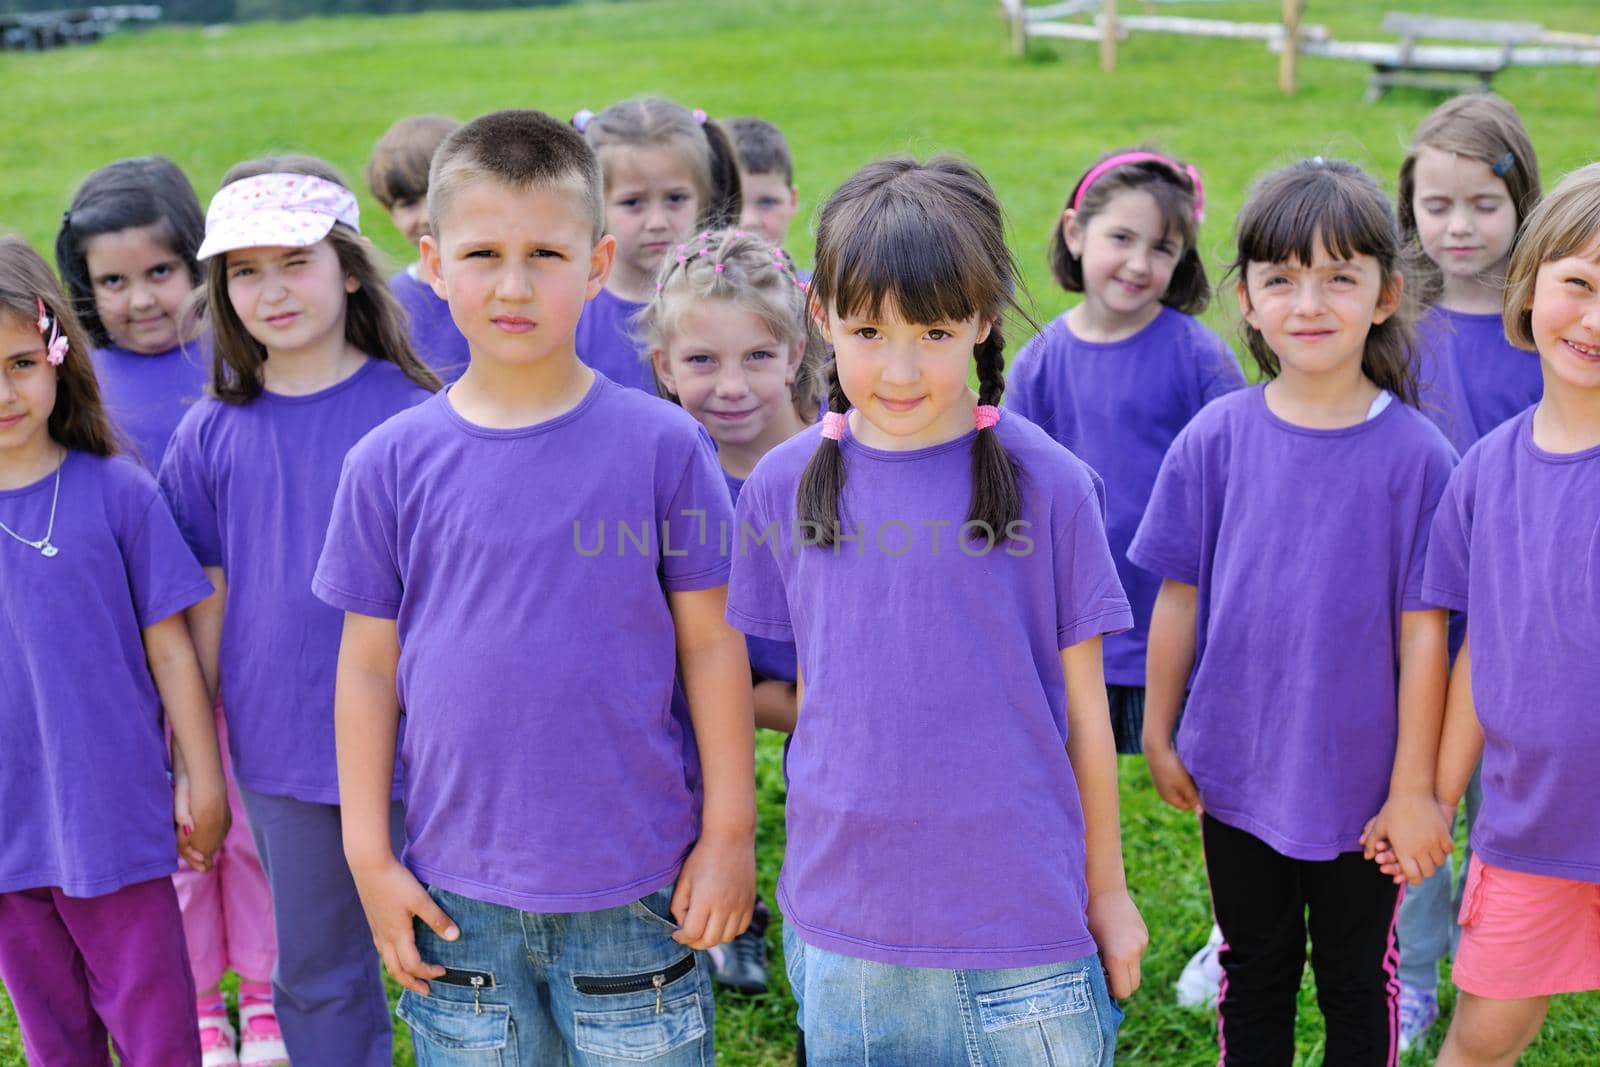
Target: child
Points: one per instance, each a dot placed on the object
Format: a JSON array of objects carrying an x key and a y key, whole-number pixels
[
  {"x": 397, "y": 174},
  {"x": 1119, "y": 375},
  {"x": 1289, "y": 523},
  {"x": 766, "y": 178},
  {"x": 1514, "y": 547},
  {"x": 92, "y": 571},
  {"x": 126, "y": 253},
  {"x": 311, "y": 353},
  {"x": 559, "y": 862},
  {"x": 731, "y": 342},
  {"x": 668, "y": 172},
  {"x": 1467, "y": 183},
  {"x": 954, "y": 856}
]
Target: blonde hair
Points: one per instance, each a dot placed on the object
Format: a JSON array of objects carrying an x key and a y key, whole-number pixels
[
  {"x": 651, "y": 122},
  {"x": 1565, "y": 224},
  {"x": 744, "y": 269}
]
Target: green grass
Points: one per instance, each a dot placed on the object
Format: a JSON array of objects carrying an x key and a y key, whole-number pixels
[{"x": 847, "y": 81}]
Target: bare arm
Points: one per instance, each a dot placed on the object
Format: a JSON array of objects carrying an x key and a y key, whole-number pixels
[
  {"x": 1169, "y": 660},
  {"x": 205, "y": 628},
  {"x": 197, "y": 765},
  {"x": 777, "y": 705},
  {"x": 1461, "y": 740},
  {"x": 1112, "y": 917},
  {"x": 716, "y": 888}
]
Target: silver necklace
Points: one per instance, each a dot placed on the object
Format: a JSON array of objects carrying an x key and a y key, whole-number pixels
[{"x": 43, "y": 545}]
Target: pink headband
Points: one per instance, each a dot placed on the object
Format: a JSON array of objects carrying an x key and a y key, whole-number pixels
[
  {"x": 276, "y": 210},
  {"x": 1126, "y": 158}
]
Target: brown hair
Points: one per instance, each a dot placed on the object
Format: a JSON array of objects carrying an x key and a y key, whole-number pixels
[
  {"x": 650, "y": 122},
  {"x": 1481, "y": 126},
  {"x": 398, "y": 169},
  {"x": 928, "y": 239},
  {"x": 1566, "y": 223},
  {"x": 374, "y": 321},
  {"x": 761, "y": 147},
  {"x": 1337, "y": 203},
  {"x": 522, "y": 149},
  {"x": 1174, "y": 192},
  {"x": 744, "y": 269},
  {"x": 79, "y": 419}
]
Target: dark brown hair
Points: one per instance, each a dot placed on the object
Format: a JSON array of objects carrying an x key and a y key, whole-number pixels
[
  {"x": 649, "y": 122},
  {"x": 1174, "y": 192},
  {"x": 520, "y": 149},
  {"x": 130, "y": 193},
  {"x": 1566, "y": 223},
  {"x": 1481, "y": 126},
  {"x": 374, "y": 321},
  {"x": 929, "y": 240},
  {"x": 398, "y": 169},
  {"x": 761, "y": 147},
  {"x": 1338, "y": 204},
  {"x": 79, "y": 419}
]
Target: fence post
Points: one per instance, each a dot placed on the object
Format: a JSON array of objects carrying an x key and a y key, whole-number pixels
[
  {"x": 1108, "y": 35},
  {"x": 1289, "y": 58}
]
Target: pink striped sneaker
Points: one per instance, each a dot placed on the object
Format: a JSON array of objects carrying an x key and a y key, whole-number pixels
[
  {"x": 216, "y": 1042},
  {"x": 262, "y": 1041}
]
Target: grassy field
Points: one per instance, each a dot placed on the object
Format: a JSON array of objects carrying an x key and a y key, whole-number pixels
[{"x": 847, "y": 81}]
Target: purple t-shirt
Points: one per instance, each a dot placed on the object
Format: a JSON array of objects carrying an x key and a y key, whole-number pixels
[
  {"x": 1471, "y": 379},
  {"x": 433, "y": 332},
  {"x": 252, "y": 486},
  {"x": 605, "y": 341},
  {"x": 1516, "y": 545},
  {"x": 769, "y": 659},
  {"x": 84, "y": 797},
  {"x": 1118, "y": 406},
  {"x": 933, "y": 816},
  {"x": 1306, "y": 546},
  {"x": 528, "y": 572},
  {"x": 147, "y": 395}
]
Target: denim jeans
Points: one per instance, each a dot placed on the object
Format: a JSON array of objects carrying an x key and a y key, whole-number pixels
[
  {"x": 855, "y": 1011},
  {"x": 527, "y": 989},
  {"x": 1428, "y": 930}
]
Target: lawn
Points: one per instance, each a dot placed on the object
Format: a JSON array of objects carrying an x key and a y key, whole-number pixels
[{"x": 847, "y": 81}]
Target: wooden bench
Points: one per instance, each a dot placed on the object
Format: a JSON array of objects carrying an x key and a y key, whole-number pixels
[{"x": 1449, "y": 67}]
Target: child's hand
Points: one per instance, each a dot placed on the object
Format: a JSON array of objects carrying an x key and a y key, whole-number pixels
[
  {"x": 1172, "y": 778},
  {"x": 391, "y": 896},
  {"x": 1409, "y": 837},
  {"x": 202, "y": 819},
  {"x": 716, "y": 890},
  {"x": 1120, "y": 932}
]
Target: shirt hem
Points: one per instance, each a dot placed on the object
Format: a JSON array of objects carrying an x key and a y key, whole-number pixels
[
  {"x": 99, "y": 887},
  {"x": 548, "y": 903},
  {"x": 1165, "y": 568},
  {"x": 1572, "y": 872},
  {"x": 773, "y": 631},
  {"x": 345, "y": 600},
  {"x": 1112, "y": 620},
  {"x": 1445, "y": 598},
  {"x": 176, "y": 603},
  {"x": 1280, "y": 843},
  {"x": 709, "y": 578}
]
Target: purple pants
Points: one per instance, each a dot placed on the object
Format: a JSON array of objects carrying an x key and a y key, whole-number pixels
[
  {"x": 80, "y": 968},
  {"x": 328, "y": 985}
]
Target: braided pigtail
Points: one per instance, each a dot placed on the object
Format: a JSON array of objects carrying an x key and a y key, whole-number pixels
[
  {"x": 823, "y": 481},
  {"x": 996, "y": 498}
]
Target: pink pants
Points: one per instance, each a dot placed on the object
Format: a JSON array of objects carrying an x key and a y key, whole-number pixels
[{"x": 227, "y": 911}]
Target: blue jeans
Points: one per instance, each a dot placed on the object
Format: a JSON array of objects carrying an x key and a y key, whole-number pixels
[
  {"x": 526, "y": 989},
  {"x": 854, "y": 1011},
  {"x": 1428, "y": 930}
]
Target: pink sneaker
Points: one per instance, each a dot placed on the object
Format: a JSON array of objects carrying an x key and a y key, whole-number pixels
[
  {"x": 262, "y": 1042},
  {"x": 216, "y": 1042}
]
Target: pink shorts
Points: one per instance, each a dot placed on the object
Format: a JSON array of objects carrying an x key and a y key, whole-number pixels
[{"x": 1527, "y": 935}]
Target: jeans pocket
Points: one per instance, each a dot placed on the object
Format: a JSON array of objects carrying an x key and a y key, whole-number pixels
[
  {"x": 642, "y": 1033},
  {"x": 1049, "y": 1021},
  {"x": 656, "y": 909},
  {"x": 453, "y": 1033}
]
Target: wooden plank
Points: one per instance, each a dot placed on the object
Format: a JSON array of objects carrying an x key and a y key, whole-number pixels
[
  {"x": 1191, "y": 27},
  {"x": 1066, "y": 31},
  {"x": 1289, "y": 57},
  {"x": 1459, "y": 29},
  {"x": 1108, "y": 35}
]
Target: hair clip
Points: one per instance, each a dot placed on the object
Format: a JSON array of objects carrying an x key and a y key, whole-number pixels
[
  {"x": 833, "y": 425},
  {"x": 1503, "y": 165},
  {"x": 699, "y": 116},
  {"x": 50, "y": 333},
  {"x": 718, "y": 268},
  {"x": 581, "y": 120},
  {"x": 66, "y": 219},
  {"x": 985, "y": 416}
]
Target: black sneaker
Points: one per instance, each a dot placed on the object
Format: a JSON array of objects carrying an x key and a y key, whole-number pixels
[{"x": 741, "y": 964}]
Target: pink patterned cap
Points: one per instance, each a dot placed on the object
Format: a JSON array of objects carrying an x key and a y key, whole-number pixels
[{"x": 276, "y": 210}]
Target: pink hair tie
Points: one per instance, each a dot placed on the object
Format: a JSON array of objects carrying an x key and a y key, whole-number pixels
[
  {"x": 985, "y": 416},
  {"x": 718, "y": 268},
  {"x": 699, "y": 116},
  {"x": 581, "y": 120},
  {"x": 1128, "y": 158},
  {"x": 833, "y": 425}
]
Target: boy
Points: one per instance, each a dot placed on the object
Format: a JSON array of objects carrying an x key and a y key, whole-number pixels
[
  {"x": 397, "y": 174},
  {"x": 766, "y": 177},
  {"x": 526, "y": 558}
]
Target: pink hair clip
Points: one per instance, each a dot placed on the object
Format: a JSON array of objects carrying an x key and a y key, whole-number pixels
[
  {"x": 985, "y": 416},
  {"x": 833, "y": 425},
  {"x": 699, "y": 116},
  {"x": 55, "y": 352},
  {"x": 581, "y": 120},
  {"x": 718, "y": 268}
]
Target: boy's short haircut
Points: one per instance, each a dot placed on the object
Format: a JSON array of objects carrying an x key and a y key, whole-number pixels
[
  {"x": 761, "y": 147},
  {"x": 523, "y": 149},
  {"x": 398, "y": 169}
]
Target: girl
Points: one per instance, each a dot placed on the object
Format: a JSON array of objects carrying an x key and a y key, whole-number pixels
[
  {"x": 1119, "y": 375},
  {"x": 1467, "y": 183},
  {"x": 126, "y": 252},
  {"x": 311, "y": 353},
  {"x": 1288, "y": 523},
  {"x": 945, "y": 576},
  {"x": 730, "y": 340},
  {"x": 92, "y": 568},
  {"x": 668, "y": 171},
  {"x": 1514, "y": 547}
]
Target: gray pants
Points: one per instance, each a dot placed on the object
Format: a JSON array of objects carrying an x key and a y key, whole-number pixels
[{"x": 1428, "y": 930}]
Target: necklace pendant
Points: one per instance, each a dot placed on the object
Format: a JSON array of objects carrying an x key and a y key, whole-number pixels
[{"x": 48, "y": 551}]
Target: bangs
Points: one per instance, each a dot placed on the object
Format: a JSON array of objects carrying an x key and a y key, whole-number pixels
[{"x": 1317, "y": 206}]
